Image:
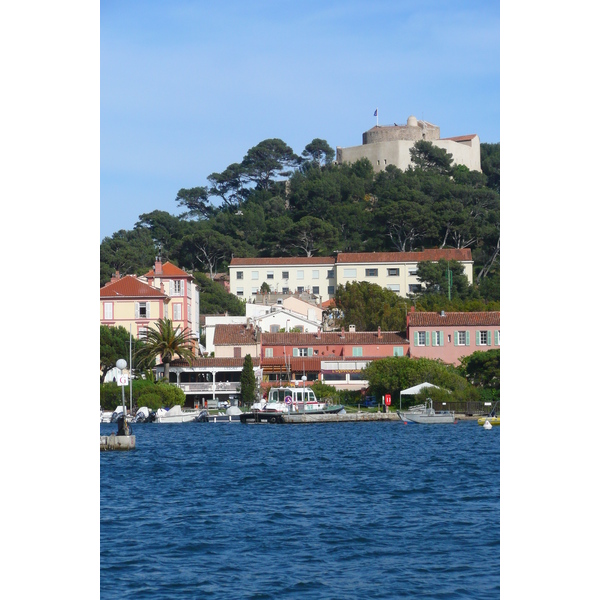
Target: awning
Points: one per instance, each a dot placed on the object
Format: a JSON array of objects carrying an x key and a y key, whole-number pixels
[{"x": 413, "y": 391}]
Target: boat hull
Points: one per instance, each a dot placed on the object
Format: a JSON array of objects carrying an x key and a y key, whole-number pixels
[
  {"x": 265, "y": 416},
  {"x": 428, "y": 419}
]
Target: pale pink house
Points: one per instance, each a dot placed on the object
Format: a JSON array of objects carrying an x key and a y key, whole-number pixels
[{"x": 448, "y": 336}]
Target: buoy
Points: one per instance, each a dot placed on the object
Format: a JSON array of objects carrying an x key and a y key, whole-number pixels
[{"x": 487, "y": 425}]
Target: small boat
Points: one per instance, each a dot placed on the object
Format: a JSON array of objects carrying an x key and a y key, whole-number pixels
[
  {"x": 425, "y": 413},
  {"x": 106, "y": 416},
  {"x": 176, "y": 415},
  {"x": 144, "y": 415},
  {"x": 285, "y": 401},
  {"x": 492, "y": 418}
]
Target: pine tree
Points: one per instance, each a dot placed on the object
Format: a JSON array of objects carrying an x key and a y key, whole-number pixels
[{"x": 248, "y": 382}]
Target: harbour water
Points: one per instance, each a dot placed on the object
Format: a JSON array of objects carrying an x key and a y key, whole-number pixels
[{"x": 327, "y": 511}]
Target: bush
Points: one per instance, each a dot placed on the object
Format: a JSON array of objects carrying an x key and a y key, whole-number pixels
[
  {"x": 322, "y": 390},
  {"x": 150, "y": 399},
  {"x": 168, "y": 395}
]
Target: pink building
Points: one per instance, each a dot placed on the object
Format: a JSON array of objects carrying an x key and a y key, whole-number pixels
[
  {"x": 336, "y": 358},
  {"x": 448, "y": 336}
]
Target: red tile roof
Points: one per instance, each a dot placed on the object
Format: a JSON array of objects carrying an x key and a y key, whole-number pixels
[
  {"x": 130, "y": 287},
  {"x": 434, "y": 319},
  {"x": 461, "y": 138},
  {"x": 169, "y": 270},
  {"x": 235, "y": 334},
  {"x": 462, "y": 254},
  {"x": 296, "y": 363},
  {"x": 292, "y": 260},
  {"x": 214, "y": 362},
  {"x": 330, "y": 338}
]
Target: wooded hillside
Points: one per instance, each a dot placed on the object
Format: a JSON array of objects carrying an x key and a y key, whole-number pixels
[{"x": 276, "y": 203}]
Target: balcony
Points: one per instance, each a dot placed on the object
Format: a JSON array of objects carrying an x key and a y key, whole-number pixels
[{"x": 209, "y": 387}]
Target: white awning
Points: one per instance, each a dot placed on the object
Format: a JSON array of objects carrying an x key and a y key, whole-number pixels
[{"x": 413, "y": 391}]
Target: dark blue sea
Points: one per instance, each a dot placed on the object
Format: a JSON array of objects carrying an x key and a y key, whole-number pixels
[{"x": 328, "y": 511}]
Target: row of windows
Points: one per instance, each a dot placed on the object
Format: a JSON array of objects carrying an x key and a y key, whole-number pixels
[
  {"x": 461, "y": 338},
  {"x": 316, "y": 274},
  {"x": 315, "y": 289},
  {"x": 356, "y": 351},
  {"x": 142, "y": 310}
]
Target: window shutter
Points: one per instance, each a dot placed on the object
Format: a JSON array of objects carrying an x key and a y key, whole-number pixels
[
  {"x": 441, "y": 338},
  {"x": 427, "y": 338},
  {"x": 295, "y": 352},
  {"x": 147, "y": 310},
  {"x": 171, "y": 290},
  {"x": 496, "y": 337},
  {"x": 310, "y": 351},
  {"x": 489, "y": 338},
  {"x": 137, "y": 310},
  {"x": 456, "y": 338},
  {"x": 467, "y": 338},
  {"x": 416, "y": 338},
  {"x": 477, "y": 338}
]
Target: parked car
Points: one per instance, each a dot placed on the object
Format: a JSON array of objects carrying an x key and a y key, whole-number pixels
[{"x": 223, "y": 404}]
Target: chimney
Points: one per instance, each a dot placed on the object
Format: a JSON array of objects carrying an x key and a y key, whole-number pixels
[
  {"x": 351, "y": 328},
  {"x": 343, "y": 334},
  {"x": 379, "y": 336},
  {"x": 442, "y": 313},
  {"x": 162, "y": 287},
  {"x": 115, "y": 277},
  {"x": 157, "y": 266},
  {"x": 319, "y": 333}
]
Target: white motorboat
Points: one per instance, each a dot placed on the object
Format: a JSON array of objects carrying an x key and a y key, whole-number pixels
[
  {"x": 425, "y": 413},
  {"x": 176, "y": 415},
  {"x": 106, "y": 416},
  {"x": 118, "y": 412},
  {"x": 288, "y": 400}
]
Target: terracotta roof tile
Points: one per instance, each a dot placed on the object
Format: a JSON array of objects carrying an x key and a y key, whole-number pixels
[
  {"x": 235, "y": 334},
  {"x": 434, "y": 319},
  {"x": 296, "y": 260},
  {"x": 331, "y": 338},
  {"x": 461, "y": 138},
  {"x": 462, "y": 254},
  {"x": 169, "y": 270},
  {"x": 214, "y": 362},
  {"x": 130, "y": 287}
]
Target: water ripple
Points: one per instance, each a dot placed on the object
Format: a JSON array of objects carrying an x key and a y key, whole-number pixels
[{"x": 341, "y": 510}]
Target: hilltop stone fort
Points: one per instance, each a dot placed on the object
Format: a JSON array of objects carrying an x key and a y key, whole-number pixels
[{"x": 387, "y": 145}]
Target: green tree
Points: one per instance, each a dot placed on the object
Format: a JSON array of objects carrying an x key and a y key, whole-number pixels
[
  {"x": 215, "y": 299},
  {"x": 319, "y": 151},
  {"x": 114, "y": 344},
  {"x": 368, "y": 306},
  {"x": 434, "y": 276},
  {"x": 482, "y": 368},
  {"x": 166, "y": 342},
  {"x": 268, "y": 160},
  {"x": 248, "y": 382},
  {"x": 195, "y": 200},
  {"x": 428, "y": 157},
  {"x": 394, "y": 374}
]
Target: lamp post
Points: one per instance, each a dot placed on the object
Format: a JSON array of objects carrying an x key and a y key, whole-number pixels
[
  {"x": 304, "y": 393},
  {"x": 122, "y": 364}
]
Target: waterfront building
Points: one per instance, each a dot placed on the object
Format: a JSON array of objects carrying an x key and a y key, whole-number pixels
[{"x": 448, "y": 336}]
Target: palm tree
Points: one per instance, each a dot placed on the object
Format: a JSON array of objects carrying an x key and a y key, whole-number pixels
[{"x": 166, "y": 342}]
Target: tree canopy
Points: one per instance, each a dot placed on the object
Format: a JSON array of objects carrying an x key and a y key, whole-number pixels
[{"x": 276, "y": 203}]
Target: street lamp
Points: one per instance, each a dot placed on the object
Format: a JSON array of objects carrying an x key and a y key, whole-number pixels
[{"x": 122, "y": 364}]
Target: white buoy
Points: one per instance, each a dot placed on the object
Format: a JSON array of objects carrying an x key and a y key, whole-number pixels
[{"x": 487, "y": 425}]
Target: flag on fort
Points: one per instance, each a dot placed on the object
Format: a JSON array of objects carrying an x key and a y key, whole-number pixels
[{"x": 375, "y": 113}]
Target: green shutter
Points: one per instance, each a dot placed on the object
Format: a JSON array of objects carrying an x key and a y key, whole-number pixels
[
  {"x": 427, "y": 338},
  {"x": 442, "y": 338},
  {"x": 489, "y": 338},
  {"x": 310, "y": 351},
  {"x": 467, "y": 338},
  {"x": 416, "y": 338},
  {"x": 496, "y": 337},
  {"x": 456, "y": 338},
  {"x": 477, "y": 338},
  {"x": 295, "y": 352}
]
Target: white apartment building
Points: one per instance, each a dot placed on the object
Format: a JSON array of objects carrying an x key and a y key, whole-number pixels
[{"x": 396, "y": 271}]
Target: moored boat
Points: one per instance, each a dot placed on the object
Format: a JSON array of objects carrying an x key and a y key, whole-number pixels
[
  {"x": 492, "y": 417},
  {"x": 176, "y": 415},
  {"x": 287, "y": 400},
  {"x": 425, "y": 414}
]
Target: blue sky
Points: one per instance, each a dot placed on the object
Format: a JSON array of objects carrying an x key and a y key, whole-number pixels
[{"x": 188, "y": 87}]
